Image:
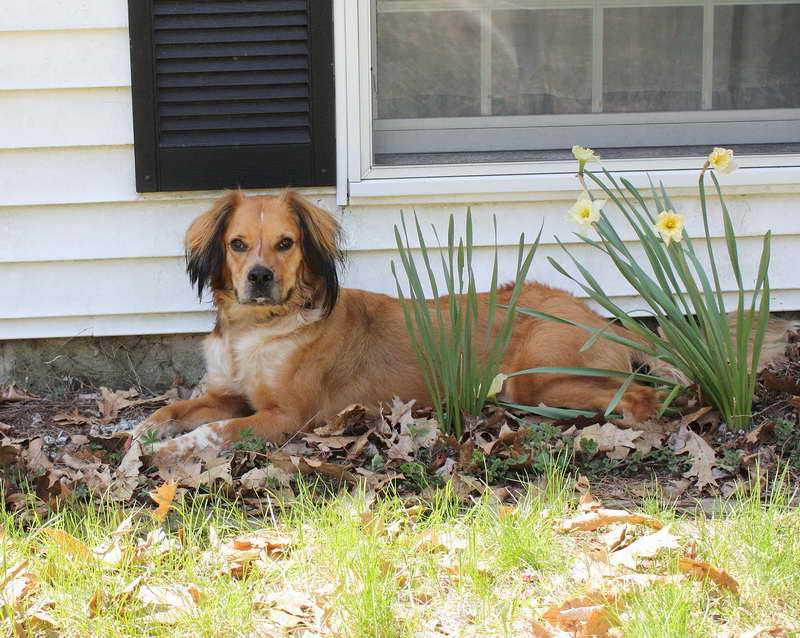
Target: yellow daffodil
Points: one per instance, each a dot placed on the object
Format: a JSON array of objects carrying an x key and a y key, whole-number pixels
[
  {"x": 721, "y": 160},
  {"x": 586, "y": 212},
  {"x": 669, "y": 225},
  {"x": 497, "y": 385},
  {"x": 584, "y": 155}
]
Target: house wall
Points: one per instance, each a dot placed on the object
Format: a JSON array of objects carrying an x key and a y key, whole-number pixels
[{"x": 83, "y": 254}]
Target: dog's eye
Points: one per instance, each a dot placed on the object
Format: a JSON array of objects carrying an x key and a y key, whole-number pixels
[
  {"x": 285, "y": 244},
  {"x": 238, "y": 245}
]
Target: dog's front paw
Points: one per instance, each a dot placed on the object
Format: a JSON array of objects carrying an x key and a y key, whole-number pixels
[
  {"x": 195, "y": 443},
  {"x": 168, "y": 454}
]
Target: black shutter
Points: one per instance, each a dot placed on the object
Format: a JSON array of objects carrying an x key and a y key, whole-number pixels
[{"x": 232, "y": 93}]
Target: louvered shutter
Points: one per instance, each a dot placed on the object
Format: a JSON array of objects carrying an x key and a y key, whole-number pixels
[{"x": 232, "y": 93}]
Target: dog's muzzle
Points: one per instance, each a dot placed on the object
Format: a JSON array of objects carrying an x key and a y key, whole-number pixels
[{"x": 260, "y": 285}]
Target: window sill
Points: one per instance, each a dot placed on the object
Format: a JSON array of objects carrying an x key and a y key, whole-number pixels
[{"x": 544, "y": 181}]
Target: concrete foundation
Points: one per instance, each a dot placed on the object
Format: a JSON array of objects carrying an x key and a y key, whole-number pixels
[{"x": 56, "y": 366}]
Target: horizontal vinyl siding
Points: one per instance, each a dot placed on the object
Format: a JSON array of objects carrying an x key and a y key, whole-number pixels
[
  {"x": 50, "y": 118},
  {"x": 39, "y": 15},
  {"x": 81, "y": 253},
  {"x": 80, "y": 58}
]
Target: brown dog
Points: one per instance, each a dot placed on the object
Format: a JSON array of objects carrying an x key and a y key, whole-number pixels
[{"x": 290, "y": 348}]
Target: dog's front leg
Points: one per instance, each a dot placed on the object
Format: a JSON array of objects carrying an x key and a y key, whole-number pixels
[
  {"x": 184, "y": 415},
  {"x": 272, "y": 425}
]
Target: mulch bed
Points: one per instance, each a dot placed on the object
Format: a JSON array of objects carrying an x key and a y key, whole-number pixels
[{"x": 63, "y": 448}]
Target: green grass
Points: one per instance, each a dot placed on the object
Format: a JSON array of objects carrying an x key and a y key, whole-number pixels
[{"x": 382, "y": 567}]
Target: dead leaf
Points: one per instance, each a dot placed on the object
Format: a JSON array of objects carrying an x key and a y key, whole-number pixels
[
  {"x": 401, "y": 447},
  {"x": 190, "y": 473},
  {"x": 156, "y": 543},
  {"x": 287, "y": 608},
  {"x": 253, "y": 549},
  {"x": 110, "y": 403},
  {"x": 126, "y": 477},
  {"x": 761, "y": 434},
  {"x": 263, "y": 477},
  {"x": 359, "y": 445},
  {"x": 95, "y": 601},
  {"x": 595, "y": 519},
  {"x": 39, "y": 616},
  {"x": 424, "y": 433},
  {"x": 35, "y": 457},
  {"x": 350, "y": 416},
  {"x": 9, "y": 452},
  {"x": 539, "y": 631},
  {"x": 400, "y": 412},
  {"x": 694, "y": 416},
  {"x": 17, "y": 582},
  {"x": 505, "y": 511},
  {"x": 614, "y": 441},
  {"x": 95, "y": 475},
  {"x": 70, "y": 545},
  {"x": 274, "y": 542},
  {"x": 109, "y": 553},
  {"x": 72, "y": 418},
  {"x": 432, "y": 541},
  {"x": 374, "y": 524},
  {"x": 285, "y": 620},
  {"x": 646, "y": 547},
  {"x": 584, "y": 616},
  {"x": 703, "y": 456},
  {"x": 616, "y": 538},
  {"x": 703, "y": 571},
  {"x": 376, "y": 480},
  {"x": 13, "y": 393},
  {"x": 292, "y": 602},
  {"x": 465, "y": 485},
  {"x": 327, "y": 443},
  {"x": 163, "y": 497},
  {"x": 310, "y": 465},
  {"x": 587, "y": 502},
  {"x": 774, "y": 382},
  {"x": 762, "y": 632},
  {"x": 647, "y": 441},
  {"x": 176, "y": 601},
  {"x": 169, "y": 595}
]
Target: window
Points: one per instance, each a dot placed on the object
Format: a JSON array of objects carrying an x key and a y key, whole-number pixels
[
  {"x": 232, "y": 93},
  {"x": 459, "y": 81}
]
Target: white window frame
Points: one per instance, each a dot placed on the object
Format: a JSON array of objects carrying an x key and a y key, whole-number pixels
[{"x": 360, "y": 180}]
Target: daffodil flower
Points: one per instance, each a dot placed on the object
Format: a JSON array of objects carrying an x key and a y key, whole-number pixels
[
  {"x": 721, "y": 160},
  {"x": 669, "y": 225},
  {"x": 586, "y": 212},
  {"x": 584, "y": 155},
  {"x": 497, "y": 385}
]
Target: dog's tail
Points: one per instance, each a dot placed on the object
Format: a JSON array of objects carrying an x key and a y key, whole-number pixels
[{"x": 776, "y": 338}]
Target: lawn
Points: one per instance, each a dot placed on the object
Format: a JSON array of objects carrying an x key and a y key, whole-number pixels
[{"x": 363, "y": 565}]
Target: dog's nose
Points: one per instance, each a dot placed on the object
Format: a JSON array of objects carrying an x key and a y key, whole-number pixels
[{"x": 259, "y": 275}]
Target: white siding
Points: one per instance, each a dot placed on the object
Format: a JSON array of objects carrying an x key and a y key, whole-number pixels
[
  {"x": 50, "y": 118},
  {"x": 81, "y": 253},
  {"x": 64, "y": 59}
]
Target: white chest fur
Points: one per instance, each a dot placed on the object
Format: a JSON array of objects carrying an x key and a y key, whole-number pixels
[{"x": 249, "y": 360}]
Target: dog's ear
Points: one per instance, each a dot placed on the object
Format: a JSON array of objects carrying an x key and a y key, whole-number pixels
[
  {"x": 321, "y": 235},
  {"x": 205, "y": 251}
]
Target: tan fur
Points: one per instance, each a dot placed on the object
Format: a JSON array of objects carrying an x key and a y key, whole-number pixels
[{"x": 277, "y": 368}]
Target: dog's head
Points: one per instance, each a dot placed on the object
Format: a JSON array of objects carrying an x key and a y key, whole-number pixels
[{"x": 279, "y": 252}]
